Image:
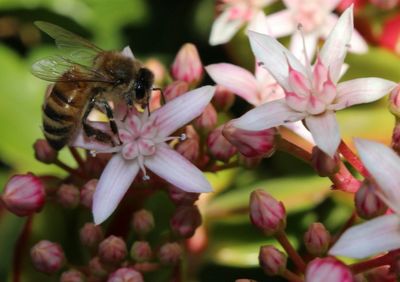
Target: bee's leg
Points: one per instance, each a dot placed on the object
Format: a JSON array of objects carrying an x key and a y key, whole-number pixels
[
  {"x": 111, "y": 120},
  {"x": 163, "y": 101},
  {"x": 90, "y": 131}
]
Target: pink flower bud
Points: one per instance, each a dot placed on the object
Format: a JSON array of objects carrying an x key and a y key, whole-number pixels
[
  {"x": 321, "y": 268},
  {"x": 266, "y": 213},
  {"x": 251, "y": 143},
  {"x": 44, "y": 152},
  {"x": 24, "y": 194},
  {"x": 207, "y": 120},
  {"x": 175, "y": 89},
  {"x": 141, "y": 251},
  {"x": 272, "y": 261},
  {"x": 394, "y": 101},
  {"x": 185, "y": 221},
  {"x": 143, "y": 222},
  {"x": 91, "y": 235},
  {"x": 180, "y": 197},
  {"x": 368, "y": 204},
  {"x": 219, "y": 147},
  {"x": 157, "y": 68},
  {"x": 187, "y": 65},
  {"x": 317, "y": 239},
  {"x": 249, "y": 162},
  {"x": 72, "y": 276},
  {"x": 170, "y": 253},
  {"x": 190, "y": 147},
  {"x": 112, "y": 250},
  {"x": 47, "y": 257},
  {"x": 68, "y": 196},
  {"x": 96, "y": 268},
  {"x": 323, "y": 164},
  {"x": 385, "y": 4},
  {"x": 223, "y": 98},
  {"x": 87, "y": 193},
  {"x": 125, "y": 275}
]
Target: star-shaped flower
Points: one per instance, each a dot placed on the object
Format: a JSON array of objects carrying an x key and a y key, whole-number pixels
[{"x": 312, "y": 93}]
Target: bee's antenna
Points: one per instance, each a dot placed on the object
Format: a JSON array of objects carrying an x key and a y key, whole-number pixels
[{"x": 163, "y": 101}]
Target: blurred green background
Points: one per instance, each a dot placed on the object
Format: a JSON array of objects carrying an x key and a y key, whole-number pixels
[{"x": 157, "y": 28}]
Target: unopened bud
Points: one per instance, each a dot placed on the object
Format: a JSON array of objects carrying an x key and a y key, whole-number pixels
[
  {"x": 317, "y": 239},
  {"x": 125, "y": 275},
  {"x": 180, "y": 197},
  {"x": 368, "y": 204},
  {"x": 185, "y": 221},
  {"x": 249, "y": 162},
  {"x": 47, "y": 257},
  {"x": 396, "y": 137},
  {"x": 381, "y": 274},
  {"x": 170, "y": 253},
  {"x": 87, "y": 193},
  {"x": 175, "y": 89},
  {"x": 68, "y": 196},
  {"x": 141, "y": 251},
  {"x": 394, "y": 101},
  {"x": 272, "y": 261},
  {"x": 323, "y": 164},
  {"x": 143, "y": 222},
  {"x": 190, "y": 147},
  {"x": 157, "y": 68},
  {"x": 251, "y": 143},
  {"x": 266, "y": 213},
  {"x": 321, "y": 268},
  {"x": 223, "y": 98},
  {"x": 187, "y": 65},
  {"x": 219, "y": 147},
  {"x": 91, "y": 235},
  {"x": 112, "y": 250},
  {"x": 96, "y": 268},
  {"x": 24, "y": 194},
  {"x": 207, "y": 120},
  {"x": 72, "y": 276},
  {"x": 44, "y": 152}
]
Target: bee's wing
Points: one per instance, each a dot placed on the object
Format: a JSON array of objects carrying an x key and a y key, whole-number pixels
[
  {"x": 74, "y": 46},
  {"x": 59, "y": 68}
]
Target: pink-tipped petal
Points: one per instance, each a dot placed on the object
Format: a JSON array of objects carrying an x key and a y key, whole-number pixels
[
  {"x": 361, "y": 90},
  {"x": 274, "y": 57},
  {"x": 224, "y": 28},
  {"x": 268, "y": 115},
  {"x": 280, "y": 24},
  {"x": 337, "y": 42},
  {"x": 375, "y": 236},
  {"x": 299, "y": 83},
  {"x": 236, "y": 79},
  {"x": 181, "y": 110},
  {"x": 325, "y": 131},
  {"x": 177, "y": 170},
  {"x": 112, "y": 186},
  {"x": 386, "y": 174}
]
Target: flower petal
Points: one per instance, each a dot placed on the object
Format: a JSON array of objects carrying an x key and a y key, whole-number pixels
[
  {"x": 224, "y": 28},
  {"x": 386, "y": 174},
  {"x": 280, "y": 24},
  {"x": 375, "y": 236},
  {"x": 182, "y": 109},
  {"x": 268, "y": 115},
  {"x": 335, "y": 47},
  {"x": 91, "y": 144},
  {"x": 236, "y": 79},
  {"x": 358, "y": 44},
  {"x": 296, "y": 45},
  {"x": 177, "y": 170},
  {"x": 325, "y": 131},
  {"x": 127, "y": 51},
  {"x": 361, "y": 90},
  {"x": 274, "y": 57},
  {"x": 112, "y": 186}
]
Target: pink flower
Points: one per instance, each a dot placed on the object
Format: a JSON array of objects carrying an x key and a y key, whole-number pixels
[
  {"x": 316, "y": 18},
  {"x": 311, "y": 92},
  {"x": 382, "y": 233},
  {"x": 144, "y": 145},
  {"x": 187, "y": 65},
  {"x": 235, "y": 14},
  {"x": 328, "y": 270}
]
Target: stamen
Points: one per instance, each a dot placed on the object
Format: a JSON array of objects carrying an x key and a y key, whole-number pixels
[
  {"x": 143, "y": 168},
  {"x": 307, "y": 60},
  {"x": 93, "y": 153},
  {"x": 181, "y": 138}
]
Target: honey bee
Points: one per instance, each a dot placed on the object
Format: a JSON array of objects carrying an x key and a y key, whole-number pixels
[{"x": 87, "y": 77}]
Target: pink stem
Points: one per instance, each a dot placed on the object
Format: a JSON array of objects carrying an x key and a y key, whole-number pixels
[{"x": 352, "y": 158}]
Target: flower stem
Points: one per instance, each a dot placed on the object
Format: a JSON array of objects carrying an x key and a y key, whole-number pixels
[
  {"x": 352, "y": 158},
  {"x": 343, "y": 180},
  {"x": 69, "y": 169},
  {"x": 77, "y": 156},
  {"x": 360, "y": 267},
  {"x": 290, "y": 276},
  {"x": 20, "y": 248},
  {"x": 292, "y": 253}
]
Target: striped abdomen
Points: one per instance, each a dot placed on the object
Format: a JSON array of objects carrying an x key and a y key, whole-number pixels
[{"x": 62, "y": 112}]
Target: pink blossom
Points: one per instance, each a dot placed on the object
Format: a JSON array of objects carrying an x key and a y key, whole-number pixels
[{"x": 328, "y": 270}]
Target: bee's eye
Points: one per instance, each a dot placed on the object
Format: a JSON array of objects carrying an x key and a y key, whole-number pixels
[{"x": 140, "y": 91}]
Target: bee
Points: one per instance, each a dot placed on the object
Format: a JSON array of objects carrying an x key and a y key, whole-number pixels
[{"x": 87, "y": 77}]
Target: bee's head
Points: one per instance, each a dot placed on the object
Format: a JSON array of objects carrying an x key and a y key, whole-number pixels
[{"x": 142, "y": 86}]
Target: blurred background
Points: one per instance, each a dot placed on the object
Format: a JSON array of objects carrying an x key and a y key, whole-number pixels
[{"x": 157, "y": 29}]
